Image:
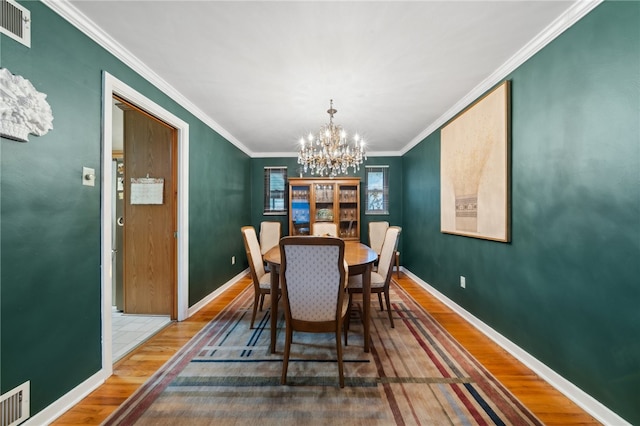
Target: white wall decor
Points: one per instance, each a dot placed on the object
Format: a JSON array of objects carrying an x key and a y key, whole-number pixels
[{"x": 23, "y": 110}]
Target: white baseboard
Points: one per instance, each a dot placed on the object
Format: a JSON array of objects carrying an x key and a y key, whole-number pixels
[
  {"x": 581, "y": 398},
  {"x": 73, "y": 397},
  {"x": 195, "y": 308},
  {"x": 571, "y": 391},
  {"x": 63, "y": 404}
]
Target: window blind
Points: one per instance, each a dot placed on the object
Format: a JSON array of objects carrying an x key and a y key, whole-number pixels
[{"x": 275, "y": 184}]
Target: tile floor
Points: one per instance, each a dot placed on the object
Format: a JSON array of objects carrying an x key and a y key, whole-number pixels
[{"x": 129, "y": 331}]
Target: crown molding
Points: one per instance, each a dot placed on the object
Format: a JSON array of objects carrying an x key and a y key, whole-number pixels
[
  {"x": 572, "y": 15},
  {"x": 384, "y": 154},
  {"x": 295, "y": 154},
  {"x": 67, "y": 11}
]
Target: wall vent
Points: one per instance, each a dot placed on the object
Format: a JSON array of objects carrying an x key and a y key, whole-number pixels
[
  {"x": 15, "y": 21},
  {"x": 14, "y": 405}
]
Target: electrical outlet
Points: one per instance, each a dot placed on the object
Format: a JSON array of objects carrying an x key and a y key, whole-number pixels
[
  {"x": 463, "y": 282},
  {"x": 233, "y": 260}
]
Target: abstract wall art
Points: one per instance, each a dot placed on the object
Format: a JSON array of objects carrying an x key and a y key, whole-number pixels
[{"x": 474, "y": 169}]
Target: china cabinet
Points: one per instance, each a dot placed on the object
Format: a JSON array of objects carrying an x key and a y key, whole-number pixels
[{"x": 325, "y": 200}]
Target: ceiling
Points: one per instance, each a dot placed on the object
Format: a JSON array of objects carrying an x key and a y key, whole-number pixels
[{"x": 262, "y": 73}]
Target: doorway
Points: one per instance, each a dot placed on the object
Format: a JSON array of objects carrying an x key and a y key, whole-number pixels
[
  {"x": 143, "y": 244},
  {"x": 112, "y": 87}
]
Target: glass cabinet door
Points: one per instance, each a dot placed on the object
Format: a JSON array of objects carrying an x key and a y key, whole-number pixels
[
  {"x": 300, "y": 210},
  {"x": 324, "y": 202},
  {"x": 349, "y": 214}
]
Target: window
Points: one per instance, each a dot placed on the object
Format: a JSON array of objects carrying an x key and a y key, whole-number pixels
[
  {"x": 377, "y": 189},
  {"x": 275, "y": 179}
]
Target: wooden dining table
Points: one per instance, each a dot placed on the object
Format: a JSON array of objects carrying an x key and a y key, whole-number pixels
[{"x": 360, "y": 260}]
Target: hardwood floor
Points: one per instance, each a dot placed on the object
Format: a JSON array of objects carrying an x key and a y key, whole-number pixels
[{"x": 551, "y": 407}]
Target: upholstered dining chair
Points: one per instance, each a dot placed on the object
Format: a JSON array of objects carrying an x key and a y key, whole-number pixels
[
  {"x": 377, "y": 231},
  {"x": 324, "y": 229},
  {"x": 380, "y": 279},
  {"x": 313, "y": 276},
  {"x": 261, "y": 279},
  {"x": 269, "y": 235}
]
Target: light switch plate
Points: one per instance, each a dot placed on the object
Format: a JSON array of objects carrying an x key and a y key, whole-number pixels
[{"x": 88, "y": 176}]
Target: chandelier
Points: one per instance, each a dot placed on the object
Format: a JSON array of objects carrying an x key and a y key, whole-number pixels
[{"x": 328, "y": 153}]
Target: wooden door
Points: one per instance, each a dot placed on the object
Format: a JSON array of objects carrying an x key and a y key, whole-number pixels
[{"x": 150, "y": 151}]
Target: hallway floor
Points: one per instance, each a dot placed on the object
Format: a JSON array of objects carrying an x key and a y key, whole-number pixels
[{"x": 129, "y": 331}]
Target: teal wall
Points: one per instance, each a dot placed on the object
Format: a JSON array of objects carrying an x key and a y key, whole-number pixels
[
  {"x": 395, "y": 192},
  {"x": 50, "y": 293},
  {"x": 566, "y": 288},
  {"x": 219, "y": 204}
]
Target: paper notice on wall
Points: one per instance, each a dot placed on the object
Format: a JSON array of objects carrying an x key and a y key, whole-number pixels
[{"x": 146, "y": 190}]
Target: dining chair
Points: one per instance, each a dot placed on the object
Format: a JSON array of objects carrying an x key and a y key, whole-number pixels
[
  {"x": 269, "y": 235},
  {"x": 313, "y": 276},
  {"x": 380, "y": 279},
  {"x": 377, "y": 231},
  {"x": 324, "y": 229},
  {"x": 260, "y": 278}
]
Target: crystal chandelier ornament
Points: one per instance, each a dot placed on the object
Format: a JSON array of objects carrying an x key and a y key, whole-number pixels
[{"x": 328, "y": 153}]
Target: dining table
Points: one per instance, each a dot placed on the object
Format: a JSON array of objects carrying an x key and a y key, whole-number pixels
[{"x": 359, "y": 258}]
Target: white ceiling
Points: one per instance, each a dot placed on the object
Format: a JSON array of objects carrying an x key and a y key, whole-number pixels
[{"x": 262, "y": 73}]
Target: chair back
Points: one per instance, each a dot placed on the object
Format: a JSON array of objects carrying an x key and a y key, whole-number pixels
[
  {"x": 377, "y": 232},
  {"x": 252, "y": 247},
  {"x": 389, "y": 247},
  {"x": 324, "y": 229},
  {"x": 313, "y": 277},
  {"x": 269, "y": 235}
]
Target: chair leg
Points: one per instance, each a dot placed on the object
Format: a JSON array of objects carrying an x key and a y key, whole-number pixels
[
  {"x": 345, "y": 324},
  {"x": 339, "y": 350},
  {"x": 386, "y": 296},
  {"x": 346, "y": 331},
  {"x": 256, "y": 299},
  {"x": 285, "y": 359},
  {"x": 261, "y": 301},
  {"x": 380, "y": 301},
  {"x": 348, "y": 318},
  {"x": 398, "y": 265}
]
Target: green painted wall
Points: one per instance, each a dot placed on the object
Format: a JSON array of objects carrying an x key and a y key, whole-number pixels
[
  {"x": 566, "y": 288},
  {"x": 219, "y": 204},
  {"x": 50, "y": 289},
  {"x": 395, "y": 192}
]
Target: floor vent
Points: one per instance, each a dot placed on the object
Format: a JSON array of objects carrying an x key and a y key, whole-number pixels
[
  {"x": 14, "y": 405},
  {"x": 15, "y": 21}
]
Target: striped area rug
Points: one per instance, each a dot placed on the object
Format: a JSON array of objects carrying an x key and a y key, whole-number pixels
[{"x": 415, "y": 373}]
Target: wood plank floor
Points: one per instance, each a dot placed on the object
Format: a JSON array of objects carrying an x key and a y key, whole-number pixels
[{"x": 551, "y": 407}]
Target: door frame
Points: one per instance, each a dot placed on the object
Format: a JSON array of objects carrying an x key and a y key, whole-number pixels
[{"x": 112, "y": 86}]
